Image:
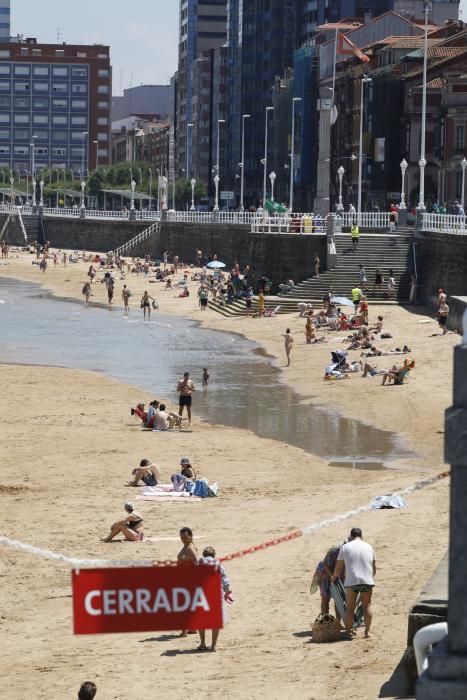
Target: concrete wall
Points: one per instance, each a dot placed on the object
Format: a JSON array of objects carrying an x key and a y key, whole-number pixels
[
  {"x": 441, "y": 262},
  {"x": 87, "y": 234}
]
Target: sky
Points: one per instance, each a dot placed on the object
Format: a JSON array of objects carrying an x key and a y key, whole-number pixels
[{"x": 143, "y": 35}]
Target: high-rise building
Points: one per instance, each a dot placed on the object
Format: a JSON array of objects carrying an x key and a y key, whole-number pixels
[
  {"x": 202, "y": 27},
  {"x": 54, "y": 105},
  {"x": 5, "y": 29}
]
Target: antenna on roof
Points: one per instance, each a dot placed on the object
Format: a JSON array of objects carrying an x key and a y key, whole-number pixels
[{"x": 59, "y": 35}]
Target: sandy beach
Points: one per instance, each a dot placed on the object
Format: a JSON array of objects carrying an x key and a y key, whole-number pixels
[{"x": 64, "y": 464}]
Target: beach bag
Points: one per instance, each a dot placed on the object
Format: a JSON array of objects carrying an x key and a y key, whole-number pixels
[
  {"x": 201, "y": 488},
  {"x": 325, "y": 629},
  {"x": 213, "y": 489}
]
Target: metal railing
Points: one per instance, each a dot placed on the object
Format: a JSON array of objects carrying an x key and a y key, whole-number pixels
[
  {"x": 5, "y": 226},
  {"x": 21, "y": 223},
  {"x": 444, "y": 223},
  {"x": 139, "y": 238},
  {"x": 303, "y": 224},
  {"x": 366, "y": 219},
  {"x": 208, "y": 217}
]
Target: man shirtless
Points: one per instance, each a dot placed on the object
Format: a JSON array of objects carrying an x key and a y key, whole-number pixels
[{"x": 185, "y": 388}]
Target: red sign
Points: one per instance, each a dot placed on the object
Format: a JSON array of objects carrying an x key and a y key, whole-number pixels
[{"x": 146, "y": 599}]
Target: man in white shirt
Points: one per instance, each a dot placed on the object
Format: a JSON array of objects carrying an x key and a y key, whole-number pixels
[{"x": 358, "y": 559}]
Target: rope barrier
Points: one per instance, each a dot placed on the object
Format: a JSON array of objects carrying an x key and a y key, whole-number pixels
[{"x": 307, "y": 530}]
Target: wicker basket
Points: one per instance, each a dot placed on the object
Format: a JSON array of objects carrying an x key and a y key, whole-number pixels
[{"x": 326, "y": 629}]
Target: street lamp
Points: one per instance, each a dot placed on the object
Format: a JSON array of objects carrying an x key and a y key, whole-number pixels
[
  {"x": 242, "y": 164},
  {"x": 41, "y": 185},
  {"x": 83, "y": 185},
  {"x": 463, "y": 166},
  {"x": 158, "y": 190},
  {"x": 141, "y": 187},
  {"x": 12, "y": 182},
  {"x": 193, "y": 183},
  {"x": 340, "y": 172},
  {"x": 422, "y": 161},
  {"x": 292, "y": 152},
  {"x": 188, "y": 126},
  {"x": 216, "y": 177},
  {"x": 150, "y": 188},
  {"x": 33, "y": 170},
  {"x": 364, "y": 79},
  {"x": 404, "y": 166},
  {"x": 272, "y": 178},
  {"x": 27, "y": 186},
  {"x": 83, "y": 137},
  {"x": 96, "y": 143},
  {"x": 265, "y": 160},
  {"x": 133, "y": 185}
]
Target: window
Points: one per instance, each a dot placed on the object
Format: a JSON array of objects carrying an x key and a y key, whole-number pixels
[
  {"x": 4, "y": 86},
  {"x": 41, "y": 150},
  {"x": 79, "y": 121},
  {"x": 4, "y": 102},
  {"x": 60, "y": 71},
  {"x": 5, "y": 70},
  {"x": 41, "y": 87},
  {"x": 4, "y": 134},
  {"x": 81, "y": 54},
  {"x": 21, "y": 118},
  {"x": 102, "y": 55},
  {"x": 4, "y": 149},
  {"x": 24, "y": 51},
  {"x": 40, "y": 119},
  {"x": 103, "y": 152},
  {"x": 59, "y": 52},
  {"x": 79, "y": 88},
  {"x": 37, "y": 52},
  {"x": 21, "y": 87},
  {"x": 4, "y": 118},
  {"x": 59, "y": 120},
  {"x": 102, "y": 121},
  {"x": 102, "y": 89},
  {"x": 59, "y": 87},
  {"x": 21, "y": 134},
  {"x": 79, "y": 104},
  {"x": 102, "y": 137},
  {"x": 76, "y": 151},
  {"x": 21, "y": 150},
  {"x": 22, "y": 70},
  {"x": 40, "y": 103},
  {"x": 59, "y": 151},
  {"x": 102, "y": 73},
  {"x": 79, "y": 72},
  {"x": 59, "y": 136},
  {"x": 40, "y": 70},
  {"x": 40, "y": 135},
  {"x": 103, "y": 105},
  {"x": 77, "y": 136},
  {"x": 60, "y": 102},
  {"x": 460, "y": 138},
  {"x": 22, "y": 102}
]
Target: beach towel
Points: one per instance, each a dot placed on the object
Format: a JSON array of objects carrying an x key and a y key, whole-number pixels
[
  {"x": 170, "y": 498},
  {"x": 388, "y": 501}
]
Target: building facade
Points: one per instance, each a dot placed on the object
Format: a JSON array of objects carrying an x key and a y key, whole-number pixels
[
  {"x": 5, "y": 29},
  {"x": 142, "y": 99},
  {"x": 54, "y": 106}
]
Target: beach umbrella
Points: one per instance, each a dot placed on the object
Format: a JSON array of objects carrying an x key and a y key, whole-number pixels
[
  {"x": 216, "y": 264},
  {"x": 341, "y": 301}
]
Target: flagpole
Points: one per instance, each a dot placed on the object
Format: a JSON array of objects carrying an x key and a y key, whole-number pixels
[{"x": 334, "y": 70}]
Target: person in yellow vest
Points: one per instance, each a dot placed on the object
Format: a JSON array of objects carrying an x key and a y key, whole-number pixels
[
  {"x": 356, "y": 296},
  {"x": 355, "y": 232}
]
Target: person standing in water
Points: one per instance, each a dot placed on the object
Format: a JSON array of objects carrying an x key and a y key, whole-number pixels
[
  {"x": 185, "y": 388},
  {"x": 126, "y": 298},
  {"x": 205, "y": 377},
  {"x": 288, "y": 342},
  {"x": 146, "y": 304}
]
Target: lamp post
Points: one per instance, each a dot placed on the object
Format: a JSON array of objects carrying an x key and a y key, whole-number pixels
[
  {"x": 12, "y": 182},
  {"x": 188, "y": 127},
  {"x": 158, "y": 190},
  {"x": 463, "y": 166},
  {"x": 141, "y": 187},
  {"x": 83, "y": 185},
  {"x": 422, "y": 161},
  {"x": 292, "y": 152},
  {"x": 340, "y": 172},
  {"x": 41, "y": 185},
  {"x": 272, "y": 178},
  {"x": 216, "y": 177},
  {"x": 150, "y": 188},
  {"x": 33, "y": 171},
  {"x": 265, "y": 159},
  {"x": 83, "y": 138},
  {"x": 96, "y": 143},
  {"x": 27, "y": 186},
  {"x": 193, "y": 183},
  {"x": 364, "y": 79},
  {"x": 404, "y": 166},
  {"x": 133, "y": 185},
  {"x": 242, "y": 164}
]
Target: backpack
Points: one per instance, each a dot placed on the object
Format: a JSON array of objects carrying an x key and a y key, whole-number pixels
[{"x": 201, "y": 488}]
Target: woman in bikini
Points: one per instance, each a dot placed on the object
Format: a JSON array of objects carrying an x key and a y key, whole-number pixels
[
  {"x": 146, "y": 304},
  {"x": 187, "y": 555},
  {"x": 131, "y": 527}
]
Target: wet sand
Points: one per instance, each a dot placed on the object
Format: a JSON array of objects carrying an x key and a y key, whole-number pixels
[{"x": 63, "y": 465}]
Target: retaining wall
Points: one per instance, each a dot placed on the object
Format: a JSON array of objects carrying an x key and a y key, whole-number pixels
[{"x": 441, "y": 262}]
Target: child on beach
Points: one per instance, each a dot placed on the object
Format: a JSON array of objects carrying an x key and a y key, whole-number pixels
[
  {"x": 288, "y": 342},
  {"x": 209, "y": 558},
  {"x": 86, "y": 291},
  {"x": 205, "y": 377}
]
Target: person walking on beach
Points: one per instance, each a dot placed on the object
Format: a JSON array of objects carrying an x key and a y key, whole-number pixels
[
  {"x": 355, "y": 233},
  {"x": 288, "y": 342},
  {"x": 110, "y": 289},
  {"x": 391, "y": 285},
  {"x": 86, "y": 292},
  {"x": 261, "y": 303},
  {"x": 146, "y": 304},
  {"x": 443, "y": 313},
  {"x": 378, "y": 281},
  {"x": 362, "y": 277},
  {"x": 209, "y": 558},
  {"x": 187, "y": 555},
  {"x": 185, "y": 388},
  {"x": 126, "y": 298},
  {"x": 316, "y": 264},
  {"x": 358, "y": 559}
]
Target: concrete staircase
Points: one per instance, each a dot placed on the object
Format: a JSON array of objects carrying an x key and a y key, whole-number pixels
[
  {"x": 238, "y": 308},
  {"x": 375, "y": 251},
  {"x": 31, "y": 227}
]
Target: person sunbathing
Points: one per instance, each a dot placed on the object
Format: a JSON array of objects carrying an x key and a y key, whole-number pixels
[
  {"x": 378, "y": 327},
  {"x": 147, "y": 472},
  {"x": 397, "y": 376},
  {"x": 131, "y": 526}
]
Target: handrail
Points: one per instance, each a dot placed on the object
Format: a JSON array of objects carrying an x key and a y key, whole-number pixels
[
  {"x": 5, "y": 226},
  {"x": 444, "y": 223},
  {"x": 141, "y": 236},
  {"x": 21, "y": 223}
]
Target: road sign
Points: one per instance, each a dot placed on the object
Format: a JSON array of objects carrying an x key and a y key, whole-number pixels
[{"x": 227, "y": 194}]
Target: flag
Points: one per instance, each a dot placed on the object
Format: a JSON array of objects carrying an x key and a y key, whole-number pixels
[
  {"x": 334, "y": 115},
  {"x": 274, "y": 207},
  {"x": 348, "y": 48}
]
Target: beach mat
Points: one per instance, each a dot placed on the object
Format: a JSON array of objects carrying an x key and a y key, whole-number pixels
[{"x": 166, "y": 499}]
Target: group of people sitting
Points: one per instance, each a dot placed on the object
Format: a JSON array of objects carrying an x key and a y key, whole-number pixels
[{"x": 157, "y": 417}]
